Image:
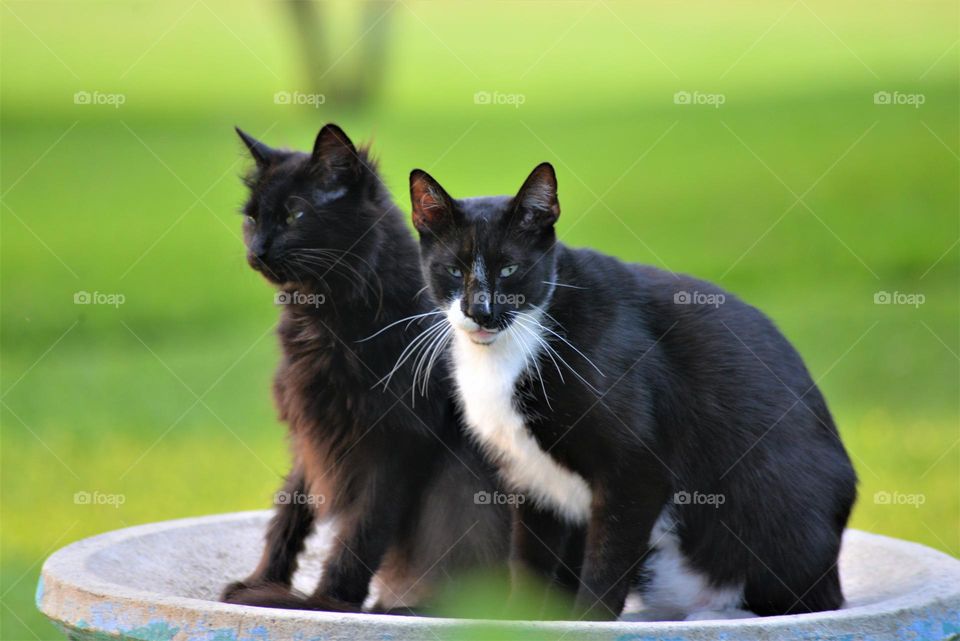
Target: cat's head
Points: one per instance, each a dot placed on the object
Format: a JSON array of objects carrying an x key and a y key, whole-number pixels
[
  {"x": 489, "y": 260},
  {"x": 305, "y": 210}
]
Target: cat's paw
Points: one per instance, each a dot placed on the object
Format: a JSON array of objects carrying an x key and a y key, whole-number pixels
[
  {"x": 230, "y": 592},
  {"x": 259, "y": 593}
]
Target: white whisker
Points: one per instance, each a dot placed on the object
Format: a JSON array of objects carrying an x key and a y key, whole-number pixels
[
  {"x": 543, "y": 343},
  {"x": 421, "y": 360},
  {"x": 409, "y": 351},
  {"x": 549, "y": 315},
  {"x": 397, "y": 322},
  {"x": 571, "y": 346},
  {"x": 533, "y": 359},
  {"x": 557, "y": 354},
  {"x": 547, "y": 282},
  {"x": 427, "y": 360},
  {"x": 327, "y": 263},
  {"x": 441, "y": 349},
  {"x": 335, "y": 258}
]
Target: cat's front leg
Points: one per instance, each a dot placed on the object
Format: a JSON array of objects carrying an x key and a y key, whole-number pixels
[
  {"x": 292, "y": 522},
  {"x": 623, "y": 513},
  {"x": 361, "y": 542},
  {"x": 540, "y": 541}
]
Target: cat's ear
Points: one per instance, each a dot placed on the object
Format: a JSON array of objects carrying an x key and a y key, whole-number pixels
[
  {"x": 334, "y": 155},
  {"x": 262, "y": 154},
  {"x": 536, "y": 204},
  {"x": 432, "y": 206}
]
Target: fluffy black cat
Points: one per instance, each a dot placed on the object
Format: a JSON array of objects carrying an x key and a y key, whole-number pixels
[
  {"x": 667, "y": 433},
  {"x": 390, "y": 465}
]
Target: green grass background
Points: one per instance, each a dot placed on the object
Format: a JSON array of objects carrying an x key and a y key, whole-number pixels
[{"x": 140, "y": 200}]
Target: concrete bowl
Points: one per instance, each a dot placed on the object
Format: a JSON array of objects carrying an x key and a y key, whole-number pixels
[{"x": 159, "y": 582}]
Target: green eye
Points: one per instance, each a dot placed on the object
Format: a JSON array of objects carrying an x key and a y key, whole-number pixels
[
  {"x": 294, "y": 216},
  {"x": 508, "y": 271},
  {"x": 454, "y": 271}
]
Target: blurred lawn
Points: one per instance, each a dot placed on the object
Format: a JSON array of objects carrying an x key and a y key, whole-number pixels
[{"x": 140, "y": 200}]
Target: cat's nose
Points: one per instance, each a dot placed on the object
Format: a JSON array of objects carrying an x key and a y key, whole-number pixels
[
  {"x": 479, "y": 310},
  {"x": 258, "y": 248}
]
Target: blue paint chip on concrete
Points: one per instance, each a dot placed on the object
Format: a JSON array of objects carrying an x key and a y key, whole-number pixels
[{"x": 38, "y": 597}]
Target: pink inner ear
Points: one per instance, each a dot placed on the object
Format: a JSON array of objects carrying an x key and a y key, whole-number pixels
[
  {"x": 427, "y": 204},
  {"x": 429, "y": 200}
]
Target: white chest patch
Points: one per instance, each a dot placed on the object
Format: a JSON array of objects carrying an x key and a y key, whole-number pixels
[{"x": 486, "y": 377}]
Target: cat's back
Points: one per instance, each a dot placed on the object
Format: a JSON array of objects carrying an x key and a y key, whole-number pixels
[
  {"x": 638, "y": 284},
  {"x": 688, "y": 318}
]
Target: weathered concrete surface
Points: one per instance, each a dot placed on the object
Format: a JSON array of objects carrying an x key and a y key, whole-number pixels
[{"x": 159, "y": 582}]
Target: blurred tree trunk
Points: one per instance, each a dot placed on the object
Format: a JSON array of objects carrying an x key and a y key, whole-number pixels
[{"x": 354, "y": 75}]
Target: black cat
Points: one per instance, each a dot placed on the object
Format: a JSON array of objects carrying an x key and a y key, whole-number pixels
[
  {"x": 389, "y": 464},
  {"x": 669, "y": 436}
]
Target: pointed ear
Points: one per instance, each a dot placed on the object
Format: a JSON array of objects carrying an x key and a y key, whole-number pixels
[
  {"x": 262, "y": 154},
  {"x": 334, "y": 154},
  {"x": 432, "y": 206},
  {"x": 536, "y": 203}
]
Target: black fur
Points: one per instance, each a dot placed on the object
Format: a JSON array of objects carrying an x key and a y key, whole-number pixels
[
  {"x": 388, "y": 464},
  {"x": 694, "y": 396}
]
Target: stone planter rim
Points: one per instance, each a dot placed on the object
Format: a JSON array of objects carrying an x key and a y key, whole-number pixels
[{"x": 65, "y": 572}]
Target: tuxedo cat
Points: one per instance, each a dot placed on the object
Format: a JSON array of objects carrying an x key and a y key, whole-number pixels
[
  {"x": 669, "y": 436},
  {"x": 389, "y": 465}
]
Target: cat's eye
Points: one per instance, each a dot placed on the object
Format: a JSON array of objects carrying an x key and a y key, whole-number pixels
[
  {"x": 297, "y": 215},
  {"x": 454, "y": 271},
  {"x": 508, "y": 271}
]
